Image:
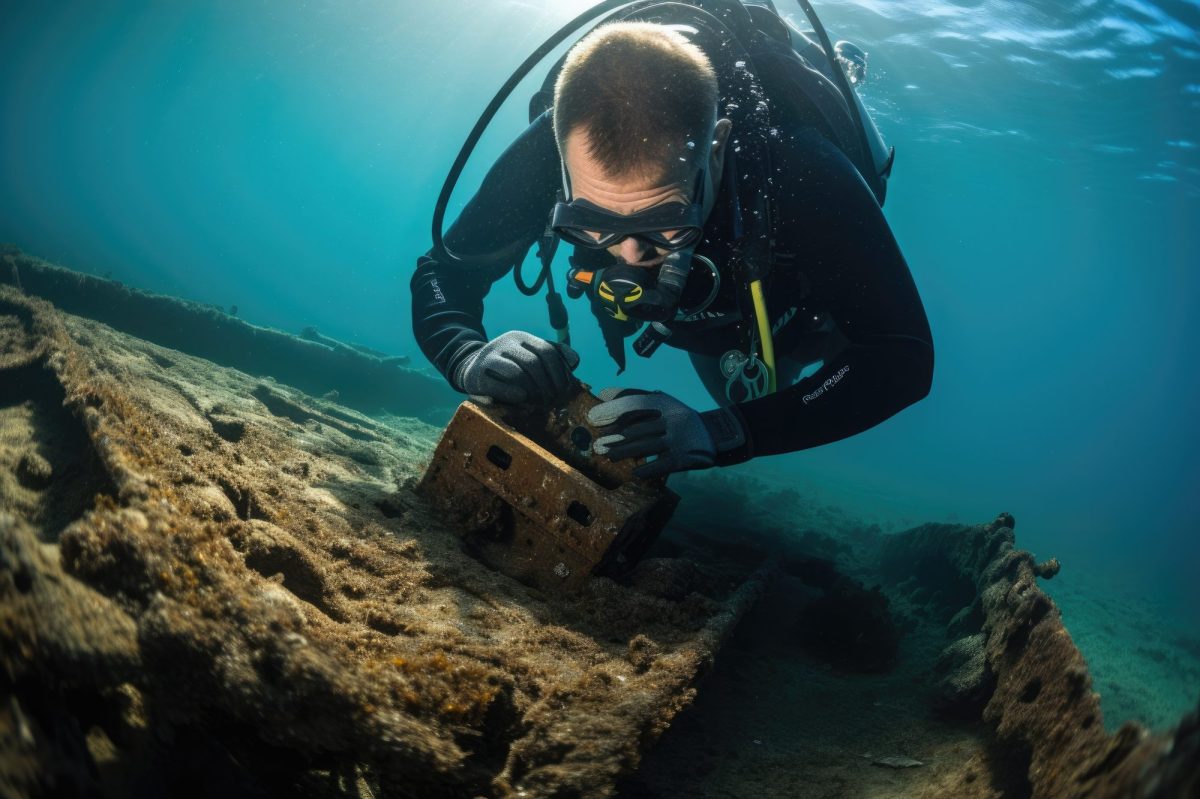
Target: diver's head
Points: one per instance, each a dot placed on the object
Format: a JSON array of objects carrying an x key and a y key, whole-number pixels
[{"x": 641, "y": 145}]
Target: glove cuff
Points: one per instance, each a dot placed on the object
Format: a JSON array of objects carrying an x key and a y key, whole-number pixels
[
  {"x": 728, "y": 432},
  {"x": 456, "y": 370}
]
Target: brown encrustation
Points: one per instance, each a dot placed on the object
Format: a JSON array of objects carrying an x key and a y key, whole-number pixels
[
  {"x": 249, "y": 574},
  {"x": 211, "y": 582}
]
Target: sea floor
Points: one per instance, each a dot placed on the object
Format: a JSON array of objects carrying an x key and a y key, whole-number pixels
[
  {"x": 1144, "y": 658},
  {"x": 772, "y": 720},
  {"x": 1143, "y": 651},
  {"x": 214, "y": 584},
  {"x": 242, "y": 531}
]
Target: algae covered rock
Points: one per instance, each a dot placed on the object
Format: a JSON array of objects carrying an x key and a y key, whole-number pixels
[
  {"x": 229, "y": 572},
  {"x": 213, "y": 583}
]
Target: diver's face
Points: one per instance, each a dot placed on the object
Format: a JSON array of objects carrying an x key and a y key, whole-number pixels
[{"x": 629, "y": 194}]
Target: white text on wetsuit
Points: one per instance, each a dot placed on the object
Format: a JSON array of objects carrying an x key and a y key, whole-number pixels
[{"x": 830, "y": 382}]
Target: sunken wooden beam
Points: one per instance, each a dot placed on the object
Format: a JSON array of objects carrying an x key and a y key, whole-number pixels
[{"x": 314, "y": 364}]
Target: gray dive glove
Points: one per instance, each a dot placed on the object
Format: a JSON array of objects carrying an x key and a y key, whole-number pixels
[
  {"x": 517, "y": 367},
  {"x": 641, "y": 424}
]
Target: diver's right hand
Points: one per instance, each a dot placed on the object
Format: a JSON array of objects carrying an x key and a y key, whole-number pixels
[{"x": 516, "y": 368}]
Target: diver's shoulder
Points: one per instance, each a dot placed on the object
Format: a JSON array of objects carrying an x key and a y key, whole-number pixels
[{"x": 810, "y": 173}]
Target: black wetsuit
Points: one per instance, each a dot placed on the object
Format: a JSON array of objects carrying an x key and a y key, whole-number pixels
[{"x": 839, "y": 291}]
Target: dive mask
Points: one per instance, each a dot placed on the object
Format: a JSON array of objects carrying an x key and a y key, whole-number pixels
[{"x": 671, "y": 226}]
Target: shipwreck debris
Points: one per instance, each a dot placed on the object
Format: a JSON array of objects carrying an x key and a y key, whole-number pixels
[
  {"x": 849, "y": 626},
  {"x": 365, "y": 379},
  {"x": 219, "y": 569},
  {"x": 250, "y": 584},
  {"x": 1013, "y": 661}
]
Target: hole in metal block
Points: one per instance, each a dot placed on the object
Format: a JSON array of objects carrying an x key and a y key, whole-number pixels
[
  {"x": 581, "y": 437},
  {"x": 580, "y": 513},
  {"x": 499, "y": 457}
]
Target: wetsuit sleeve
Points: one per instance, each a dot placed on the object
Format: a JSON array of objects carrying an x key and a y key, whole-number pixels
[
  {"x": 494, "y": 232},
  {"x": 856, "y": 272}
]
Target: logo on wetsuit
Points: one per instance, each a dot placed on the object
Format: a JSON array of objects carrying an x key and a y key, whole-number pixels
[{"x": 830, "y": 382}]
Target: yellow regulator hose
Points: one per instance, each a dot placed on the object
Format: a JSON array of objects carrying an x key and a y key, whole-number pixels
[{"x": 764, "y": 332}]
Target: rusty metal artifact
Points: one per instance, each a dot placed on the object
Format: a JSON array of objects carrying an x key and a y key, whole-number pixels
[{"x": 533, "y": 501}]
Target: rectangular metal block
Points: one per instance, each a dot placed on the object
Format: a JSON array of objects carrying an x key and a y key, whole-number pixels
[{"x": 533, "y": 501}]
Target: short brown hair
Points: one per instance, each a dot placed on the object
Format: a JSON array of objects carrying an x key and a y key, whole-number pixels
[{"x": 641, "y": 91}]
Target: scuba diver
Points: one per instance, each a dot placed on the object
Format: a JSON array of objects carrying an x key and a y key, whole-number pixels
[{"x": 721, "y": 185}]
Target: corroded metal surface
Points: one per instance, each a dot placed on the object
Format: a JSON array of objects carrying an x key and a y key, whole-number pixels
[{"x": 532, "y": 500}]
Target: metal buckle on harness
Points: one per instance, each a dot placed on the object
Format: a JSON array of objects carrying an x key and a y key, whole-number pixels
[{"x": 746, "y": 376}]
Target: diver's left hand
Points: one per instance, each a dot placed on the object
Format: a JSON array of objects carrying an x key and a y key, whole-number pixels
[{"x": 642, "y": 424}]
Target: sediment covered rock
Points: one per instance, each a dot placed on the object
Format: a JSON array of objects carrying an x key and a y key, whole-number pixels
[
  {"x": 243, "y": 578},
  {"x": 213, "y": 583}
]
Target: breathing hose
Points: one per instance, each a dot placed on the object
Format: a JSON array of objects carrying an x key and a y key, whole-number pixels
[
  {"x": 839, "y": 76},
  {"x": 485, "y": 119}
]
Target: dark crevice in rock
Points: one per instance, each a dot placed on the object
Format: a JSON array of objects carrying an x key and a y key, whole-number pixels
[
  {"x": 46, "y": 752},
  {"x": 1008, "y": 767},
  {"x": 299, "y": 576},
  {"x": 1019, "y": 639},
  {"x": 394, "y": 506},
  {"x": 49, "y": 472},
  {"x": 227, "y": 427},
  {"x": 285, "y": 408},
  {"x": 850, "y": 626},
  {"x": 1124, "y": 742},
  {"x": 22, "y": 580},
  {"x": 500, "y": 727},
  {"x": 384, "y": 625},
  {"x": 244, "y": 501}
]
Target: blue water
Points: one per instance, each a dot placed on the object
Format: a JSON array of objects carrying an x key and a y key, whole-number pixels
[{"x": 285, "y": 158}]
